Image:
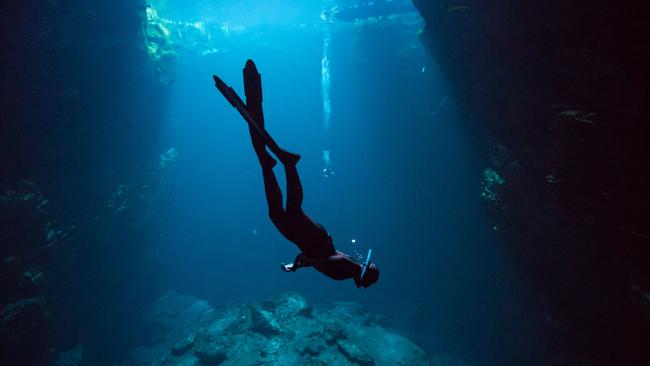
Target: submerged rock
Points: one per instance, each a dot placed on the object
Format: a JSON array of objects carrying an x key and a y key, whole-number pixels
[
  {"x": 264, "y": 322},
  {"x": 180, "y": 347},
  {"x": 20, "y": 319},
  {"x": 354, "y": 354},
  {"x": 188, "y": 331},
  {"x": 173, "y": 317},
  {"x": 71, "y": 357},
  {"x": 209, "y": 350}
]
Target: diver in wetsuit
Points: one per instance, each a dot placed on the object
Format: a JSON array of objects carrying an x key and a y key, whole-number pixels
[{"x": 311, "y": 238}]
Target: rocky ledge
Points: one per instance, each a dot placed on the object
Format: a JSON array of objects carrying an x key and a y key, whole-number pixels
[{"x": 281, "y": 331}]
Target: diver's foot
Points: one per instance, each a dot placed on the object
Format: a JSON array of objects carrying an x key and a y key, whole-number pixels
[{"x": 287, "y": 158}]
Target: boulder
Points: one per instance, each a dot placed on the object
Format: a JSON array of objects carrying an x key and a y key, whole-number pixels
[
  {"x": 353, "y": 353},
  {"x": 180, "y": 347},
  {"x": 209, "y": 351},
  {"x": 264, "y": 322},
  {"x": 71, "y": 357},
  {"x": 173, "y": 316}
]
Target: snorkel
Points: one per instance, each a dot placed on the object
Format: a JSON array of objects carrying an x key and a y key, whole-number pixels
[{"x": 365, "y": 265}]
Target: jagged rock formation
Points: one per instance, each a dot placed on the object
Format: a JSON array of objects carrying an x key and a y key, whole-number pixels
[
  {"x": 284, "y": 330},
  {"x": 561, "y": 88}
]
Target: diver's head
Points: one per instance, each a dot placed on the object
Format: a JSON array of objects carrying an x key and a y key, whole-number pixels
[{"x": 370, "y": 276}]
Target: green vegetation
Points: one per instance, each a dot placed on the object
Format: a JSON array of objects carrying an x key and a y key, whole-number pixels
[
  {"x": 160, "y": 43},
  {"x": 491, "y": 179}
]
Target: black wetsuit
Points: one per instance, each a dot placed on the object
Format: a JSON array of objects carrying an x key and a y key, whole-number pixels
[{"x": 310, "y": 237}]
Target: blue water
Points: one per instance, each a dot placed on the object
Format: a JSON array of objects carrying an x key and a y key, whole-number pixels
[
  {"x": 129, "y": 190},
  {"x": 406, "y": 179}
]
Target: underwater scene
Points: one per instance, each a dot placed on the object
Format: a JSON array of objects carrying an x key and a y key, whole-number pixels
[{"x": 324, "y": 182}]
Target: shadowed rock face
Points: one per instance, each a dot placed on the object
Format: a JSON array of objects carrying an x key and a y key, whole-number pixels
[
  {"x": 273, "y": 332},
  {"x": 561, "y": 90},
  {"x": 27, "y": 269},
  {"x": 78, "y": 123}
]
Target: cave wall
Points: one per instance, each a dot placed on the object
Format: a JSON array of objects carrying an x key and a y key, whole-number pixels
[
  {"x": 560, "y": 90},
  {"x": 80, "y": 110}
]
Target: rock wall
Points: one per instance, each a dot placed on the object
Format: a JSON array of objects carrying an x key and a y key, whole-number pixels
[
  {"x": 79, "y": 114},
  {"x": 561, "y": 91}
]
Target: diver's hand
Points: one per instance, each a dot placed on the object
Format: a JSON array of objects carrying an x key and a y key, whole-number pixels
[
  {"x": 301, "y": 260},
  {"x": 290, "y": 267}
]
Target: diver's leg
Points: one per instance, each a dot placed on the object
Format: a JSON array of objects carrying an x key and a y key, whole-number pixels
[
  {"x": 266, "y": 160},
  {"x": 253, "y": 91},
  {"x": 273, "y": 197},
  {"x": 294, "y": 189},
  {"x": 264, "y": 157}
]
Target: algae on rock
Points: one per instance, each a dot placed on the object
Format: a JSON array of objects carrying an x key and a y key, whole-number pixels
[{"x": 160, "y": 44}]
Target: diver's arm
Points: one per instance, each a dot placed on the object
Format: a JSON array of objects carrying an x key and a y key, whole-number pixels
[
  {"x": 333, "y": 260},
  {"x": 300, "y": 261}
]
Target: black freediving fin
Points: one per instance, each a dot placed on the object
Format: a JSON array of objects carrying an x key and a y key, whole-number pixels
[
  {"x": 234, "y": 99},
  {"x": 252, "y": 84}
]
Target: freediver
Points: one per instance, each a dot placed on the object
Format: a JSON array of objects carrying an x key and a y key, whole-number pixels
[{"x": 315, "y": 244}]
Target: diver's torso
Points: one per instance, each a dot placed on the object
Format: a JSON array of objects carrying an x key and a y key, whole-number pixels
[{"x": 310, "y": 236}]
